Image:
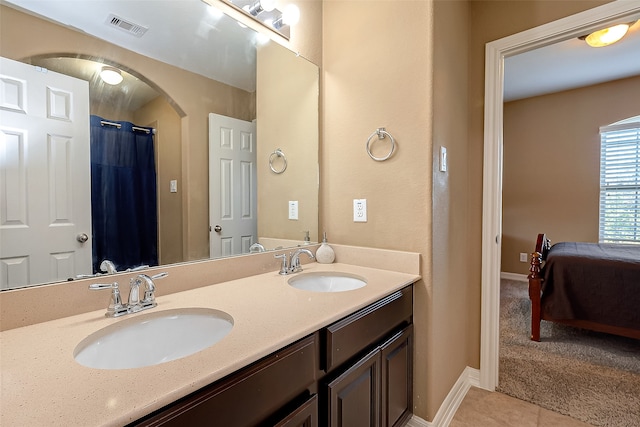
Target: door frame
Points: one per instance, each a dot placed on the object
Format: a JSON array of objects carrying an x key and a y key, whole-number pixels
[{"x": 495, "y": 52}]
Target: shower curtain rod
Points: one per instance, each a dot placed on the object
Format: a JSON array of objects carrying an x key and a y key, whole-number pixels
[{"x": 118, "y": 125}]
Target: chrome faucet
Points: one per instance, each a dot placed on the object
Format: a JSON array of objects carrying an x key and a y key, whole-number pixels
[
  {"x": 293, "y": 264},
  {"x": 256, "y": 247},
  {"x": 116, "y": 308},
  {"x": 108, "y": 267}
]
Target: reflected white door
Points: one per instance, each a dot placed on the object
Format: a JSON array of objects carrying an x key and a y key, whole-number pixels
[
  {"x": 45, "y": 176},
  {"x": 232, "y": 186}
]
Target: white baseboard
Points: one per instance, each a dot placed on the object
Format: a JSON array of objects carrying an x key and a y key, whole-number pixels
[
  {"x": 470, "y": 377},
  {"x": 514, "y": 276}
]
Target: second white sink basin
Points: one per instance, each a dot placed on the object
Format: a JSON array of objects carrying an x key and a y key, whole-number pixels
[
  {"x": 327, "y": 282},
  {"x": 153, "y": 338}
]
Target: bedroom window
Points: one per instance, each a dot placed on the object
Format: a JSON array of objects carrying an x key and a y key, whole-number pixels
[{"x": 620, "y": 182}]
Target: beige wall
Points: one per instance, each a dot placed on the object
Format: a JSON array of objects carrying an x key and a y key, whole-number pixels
[
  {"x": 287, "y": 105},
  {"x": 168, "y": 149},
  {"x": 377, "y": 73},
  {"x": 454, "y": 303},
  {"x": 193, "y": 95},
  {"x": 552, "y": 164}
]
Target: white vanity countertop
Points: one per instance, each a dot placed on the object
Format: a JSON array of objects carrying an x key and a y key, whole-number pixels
[{"x": 42, "y": 384}]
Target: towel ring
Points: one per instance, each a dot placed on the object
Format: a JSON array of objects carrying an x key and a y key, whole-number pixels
[
  {"x": 278, "y": 153},
  {"x": 382, "y": 134}
]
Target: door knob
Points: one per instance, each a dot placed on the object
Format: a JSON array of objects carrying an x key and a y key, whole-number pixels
[
  {"x": 82, "y": 237},
  {"x": 217, "y": 229}
]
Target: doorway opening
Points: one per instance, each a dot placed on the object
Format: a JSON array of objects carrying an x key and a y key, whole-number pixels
[{"x": 496, "y": 52}]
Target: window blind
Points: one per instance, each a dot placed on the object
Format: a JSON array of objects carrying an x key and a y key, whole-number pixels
[{"x": 620, "y": 183}]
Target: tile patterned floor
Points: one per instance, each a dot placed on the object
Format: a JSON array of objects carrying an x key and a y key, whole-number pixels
[{"x": 481, "y": 408}]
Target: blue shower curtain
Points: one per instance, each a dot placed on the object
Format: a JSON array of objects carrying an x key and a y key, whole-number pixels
[{"x": 123, "y": 195}]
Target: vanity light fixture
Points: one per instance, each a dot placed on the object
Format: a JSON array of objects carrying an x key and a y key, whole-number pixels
[
  {"x": 260, "y": 6},
  {"x": 278, "y": 20},
  {"x": 607, "y": 36},
  {"x": 111, "y": 75},
  {"x": 290, "y": 16}
]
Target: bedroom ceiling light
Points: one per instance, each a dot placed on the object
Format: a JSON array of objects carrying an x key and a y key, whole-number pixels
[
  {"x": 607, "y": 36},
  {"x": 111, "y": 75}
]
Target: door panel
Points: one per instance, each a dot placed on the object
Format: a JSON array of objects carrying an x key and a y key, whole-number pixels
[
  {"x": 45, "y": 173},
  {"x": 232, "y": 186},
  {"x": 354, "y": 397},
  {"x": 397, "y": 389}
]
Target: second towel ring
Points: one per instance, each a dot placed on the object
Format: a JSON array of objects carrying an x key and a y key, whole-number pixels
[
  {"x": 382, "y": 134},
  {"x": 278, "y": 153}
]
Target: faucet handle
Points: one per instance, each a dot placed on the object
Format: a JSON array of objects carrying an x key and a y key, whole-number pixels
[
  {"x": 284, "y": 266},
  {"x": 160, "y": 275},
  {"x": 115, "y": 308}
]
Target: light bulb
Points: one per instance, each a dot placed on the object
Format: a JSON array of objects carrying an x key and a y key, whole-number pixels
[
  {"x": 290, "y": 15},
  {"x": 214, "y": 12},
  {"x": 607, "y": 36},
  {"x": 268, "y": 5},
  {"x": 111, "y": 75},
  {"x": 260, "y": 6}
]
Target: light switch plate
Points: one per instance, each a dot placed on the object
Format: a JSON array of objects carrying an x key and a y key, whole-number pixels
[
  {"x": 293, "y": 209},
  {"x": 173, "y": 186}
]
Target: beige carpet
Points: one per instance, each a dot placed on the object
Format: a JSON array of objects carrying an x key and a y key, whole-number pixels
[{"x": 589, "y": 376}]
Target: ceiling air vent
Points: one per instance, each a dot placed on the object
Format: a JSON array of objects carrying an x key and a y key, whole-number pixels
[{"x": 125, "y": 25}]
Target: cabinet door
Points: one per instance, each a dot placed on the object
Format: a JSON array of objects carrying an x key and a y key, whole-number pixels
[
  {"x": 305, "y": 416},
  {"x": 354, "y": 397},
  {"x": 397, "y": 365}
]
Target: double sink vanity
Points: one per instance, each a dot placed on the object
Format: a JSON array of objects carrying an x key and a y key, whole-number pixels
[{"x": 331, "y": 345}]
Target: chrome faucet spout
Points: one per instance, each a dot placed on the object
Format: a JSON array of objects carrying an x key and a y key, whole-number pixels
[
  {"x": 149, "y": 298},
  {"x": 108, "y": 267},
  {"x": 134, "y": 304},
  {"x": 294, "y": 264}
]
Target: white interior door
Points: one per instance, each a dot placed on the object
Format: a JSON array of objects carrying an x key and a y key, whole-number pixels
[
  {"x": 45, "y": 176},
  {"x": 233, "y": 222}
]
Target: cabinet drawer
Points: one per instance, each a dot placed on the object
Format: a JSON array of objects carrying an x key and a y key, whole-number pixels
[
  {"x": 353, "y": 334},
  {"x": 251, "y": 396}
]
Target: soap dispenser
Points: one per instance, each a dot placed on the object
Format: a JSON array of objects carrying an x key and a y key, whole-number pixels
[{"x": 325, "y": 254}]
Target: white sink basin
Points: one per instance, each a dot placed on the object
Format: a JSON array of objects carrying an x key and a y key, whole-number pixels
[
  {"x": 153, "y": 338},
  {"x": 327, "y": 282}
]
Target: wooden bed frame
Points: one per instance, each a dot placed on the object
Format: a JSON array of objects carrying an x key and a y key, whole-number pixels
[{"x": 543, "y": 244}]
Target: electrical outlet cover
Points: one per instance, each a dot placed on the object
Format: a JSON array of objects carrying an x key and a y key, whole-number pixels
[{"x": 359, "y": 210}]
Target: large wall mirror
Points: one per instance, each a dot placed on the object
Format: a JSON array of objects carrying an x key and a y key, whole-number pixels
[{"x": 213, "y": 124}]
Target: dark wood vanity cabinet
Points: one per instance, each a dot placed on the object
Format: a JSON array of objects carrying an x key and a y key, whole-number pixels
[
  {"x": 306, "y": 415},
  {"x": 263, "y": 394},
  {"x": 355, "y": 372},
  {"x": 374, "y": 388}
]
